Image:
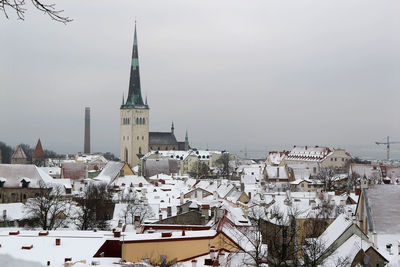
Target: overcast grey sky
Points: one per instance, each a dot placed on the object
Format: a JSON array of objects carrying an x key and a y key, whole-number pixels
[{"x": 261, "y": 74}]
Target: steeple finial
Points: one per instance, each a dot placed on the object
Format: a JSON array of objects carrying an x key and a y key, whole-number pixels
[
  {"x": 146, "y": 101},
  {"x": 123, "y": 98},
  {"x": 186, "y": 138},
  {"x": 172, "y": 127}
]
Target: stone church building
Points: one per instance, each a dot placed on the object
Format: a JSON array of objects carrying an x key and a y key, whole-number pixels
[{"x": 135, "y": 137}]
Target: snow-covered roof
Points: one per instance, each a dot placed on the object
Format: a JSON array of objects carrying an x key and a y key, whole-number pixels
[
  {"x": 91, "y": 158},
  {"x": 335, "y": 229},
  {"x": 129, "y": 180},
  {"x": 307, "y": 153},
  {"x": 110, "y": 171},
  {"x": 51, "y": 170},
  {"x": 279, "y": 172},
  {"x": 348, "y": 250},
  {"x": 384, "y": 212},
  {"x": 15, "y": 173},
  {"x": 78, "y": 245},
  {"x": 275, "y": 157},
  {"x": 13, "y": 211}
]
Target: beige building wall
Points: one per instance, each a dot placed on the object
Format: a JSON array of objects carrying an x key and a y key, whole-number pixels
[
  {"x": 338, "y": 159},
  {"x": 174, "y": 249},
  {"x": 134, "y": 136}
]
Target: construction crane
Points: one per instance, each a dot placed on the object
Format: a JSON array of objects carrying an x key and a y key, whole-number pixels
[{"x": 387, "y": 143}]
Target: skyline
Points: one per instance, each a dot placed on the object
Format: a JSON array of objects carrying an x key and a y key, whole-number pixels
[{"x": 321, "y": 75}]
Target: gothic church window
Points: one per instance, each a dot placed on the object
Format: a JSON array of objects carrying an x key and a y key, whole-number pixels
[
  {"x": 144, "y": 121},
  {"x": 137, "y": 120}
]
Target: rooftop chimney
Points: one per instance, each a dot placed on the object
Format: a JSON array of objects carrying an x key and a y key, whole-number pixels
[{"x": 86, "y": 148}]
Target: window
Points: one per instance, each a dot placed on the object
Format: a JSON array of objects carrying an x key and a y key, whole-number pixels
[
  {"x": 331, "y": 159},
  {"x": 123, "y": 138},
  {"x": 24, "y": 196},
  {"x": 335, "y": 159},
  {"x": 342, "y": 159},
  {"x": 140, "y": 150},
  {"x": 142, "y": 137},
  {"x": 302, "y": 185},
  {"x": 137, "y": 120},
  {"x": 137, "y": 137},
  {"x": 126, "y": 155}
]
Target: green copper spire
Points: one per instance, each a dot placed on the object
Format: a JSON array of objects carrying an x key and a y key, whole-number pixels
[
  {"x": 134, "y": 98},
  {"x": 186, "y": 138}
]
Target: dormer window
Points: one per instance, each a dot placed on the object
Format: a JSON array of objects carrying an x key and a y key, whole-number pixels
[{"x": 25, "y": 182}]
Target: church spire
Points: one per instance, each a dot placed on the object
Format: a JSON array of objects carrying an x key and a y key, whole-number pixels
[
  {"x": 135, "y": 95},
  {"x": 186, "y": 138}
]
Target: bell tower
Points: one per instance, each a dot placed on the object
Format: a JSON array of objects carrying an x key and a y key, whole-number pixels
[{"x": 134, "y": 124}]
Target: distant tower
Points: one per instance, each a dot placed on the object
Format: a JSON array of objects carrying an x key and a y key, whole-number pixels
[
  {"x": 19, "y": 156},
  {"x": 134, "y": 129},
  {"x": 187, "y": 141},
  {"x": 86, "y": 148},
  {"x": 172, "y": 128},
  {"x": 38, "y": 155}
]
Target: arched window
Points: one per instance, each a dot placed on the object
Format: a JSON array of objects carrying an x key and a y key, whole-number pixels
[
  {"x": 137, "y": 120},
  {"x": 144, "y": 121},
  {"x": 126, "y": 155},
  {"x": 140, "y": 150}
]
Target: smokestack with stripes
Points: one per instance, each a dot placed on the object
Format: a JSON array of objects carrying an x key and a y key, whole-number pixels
[{"x": 86, "y": 148}]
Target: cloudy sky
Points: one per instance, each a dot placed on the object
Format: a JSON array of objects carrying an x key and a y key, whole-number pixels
[{"x": 256, "y": 74}]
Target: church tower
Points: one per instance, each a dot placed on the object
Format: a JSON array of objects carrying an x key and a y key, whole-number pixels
[{"x": 134, "y": 123}]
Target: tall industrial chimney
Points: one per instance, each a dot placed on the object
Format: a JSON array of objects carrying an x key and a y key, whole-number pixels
[{"x": 86, "y": 148}]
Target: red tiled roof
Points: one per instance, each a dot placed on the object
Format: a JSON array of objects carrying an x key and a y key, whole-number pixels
[{"x": 38, "y": 154}]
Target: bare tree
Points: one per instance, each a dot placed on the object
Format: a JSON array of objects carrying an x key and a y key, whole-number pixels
[
  {"x": 327, "y": 177},
  {"x": 255, "y": 250},
  {"x": 19, "y": 8},
  {"x": 48, "y": 209},
  {"x": 91, "y": 212},
  {"x": 353, "y": 181},
  {"x": 136, "y": 210},
  {"x": 223, "y": 164},
  {"x": 200, "y": 169}
]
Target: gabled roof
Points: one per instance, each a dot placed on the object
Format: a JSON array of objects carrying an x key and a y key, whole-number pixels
[
  {"x": 110, "y": 171},
  {"x": 162, "y": 138},
  {"x": 15, "y": 173},
  {"x": 19, "y": 154},
  {"x": 38, "y": 153}
]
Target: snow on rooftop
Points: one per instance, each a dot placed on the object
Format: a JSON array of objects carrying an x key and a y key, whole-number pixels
[
  {"x": 335, "y": 229},
  {"x": 78, "y": 245},
  {"x": 348, "y": 249},
  {"x": 382, "y": 201},
  {"x": 175, "y": 234}
]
